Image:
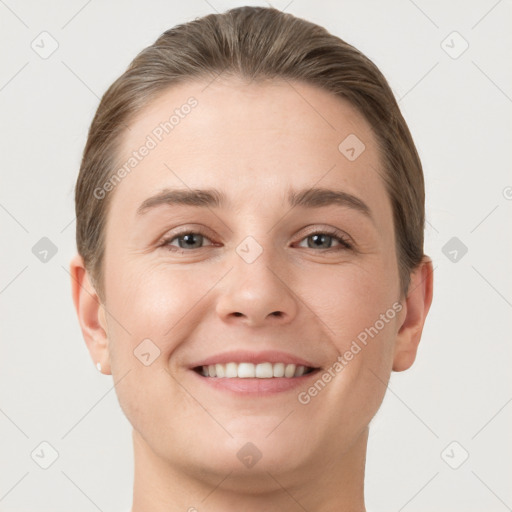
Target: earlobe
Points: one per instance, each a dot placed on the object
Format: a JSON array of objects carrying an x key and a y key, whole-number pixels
[
  {"x": 417, "y": 305},
  {"x": 91, "y": 314}
]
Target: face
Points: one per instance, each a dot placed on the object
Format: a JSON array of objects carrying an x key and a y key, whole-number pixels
[{"x": 275, "y": 271}]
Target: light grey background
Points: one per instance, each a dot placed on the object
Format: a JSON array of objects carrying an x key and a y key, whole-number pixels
[{"x": 459, "y": 112}]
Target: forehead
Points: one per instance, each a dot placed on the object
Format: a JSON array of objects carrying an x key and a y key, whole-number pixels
[{"x": 254, "y": 141}]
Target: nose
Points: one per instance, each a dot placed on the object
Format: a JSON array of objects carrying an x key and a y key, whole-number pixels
[{"x": 258, "y": 293}]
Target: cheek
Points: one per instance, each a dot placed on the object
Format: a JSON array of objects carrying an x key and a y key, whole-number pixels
[
  {"x": 350, "y": 298},
  {"x": 359, "y": 313},
  {"x": 150, "y": 300},
  {"x": 148, "y": 316}
]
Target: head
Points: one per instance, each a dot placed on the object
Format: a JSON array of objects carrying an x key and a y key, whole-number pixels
[{"x": 274, "y": 113}]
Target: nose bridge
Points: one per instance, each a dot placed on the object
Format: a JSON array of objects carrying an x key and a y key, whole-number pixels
[
  {"x": 253, "y": 228},
  {"x": 255, "y": 261}
]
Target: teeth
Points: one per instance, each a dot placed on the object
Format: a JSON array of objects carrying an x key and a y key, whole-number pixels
[
  {"x": 250, "y": 370},
  {"x": 220, "y": 370},
  {"x": 299, "y": 371},
  {"x": 246, "y": 370},
  {"x": 289, "y": 370},
  {"x": 264, "y": 371},
  {"x": 231, "y": 370},
  {"x": 279, "y": 370}
]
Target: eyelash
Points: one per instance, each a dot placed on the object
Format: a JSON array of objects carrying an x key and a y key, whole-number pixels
[{"x": 343, "y": 240}]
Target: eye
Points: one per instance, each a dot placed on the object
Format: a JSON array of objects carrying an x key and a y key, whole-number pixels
[
  {"x": 186, "y": 240},
  {"x": 325, "y": 237}
]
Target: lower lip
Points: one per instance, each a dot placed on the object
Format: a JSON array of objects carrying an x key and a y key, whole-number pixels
[{"x": 255, "y": 386}]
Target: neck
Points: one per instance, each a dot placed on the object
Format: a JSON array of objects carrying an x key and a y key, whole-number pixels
[{"x": 336, "y": 485}]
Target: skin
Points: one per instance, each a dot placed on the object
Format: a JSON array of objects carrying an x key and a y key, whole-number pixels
[{"x": 253, "y": 142}]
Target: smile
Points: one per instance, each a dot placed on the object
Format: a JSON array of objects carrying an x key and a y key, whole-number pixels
[{"x": 250, "y": 370}]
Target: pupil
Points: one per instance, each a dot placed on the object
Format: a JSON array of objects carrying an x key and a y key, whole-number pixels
[
  {"x": 319, "y": 238},
  {"x": 188, "y": 238}
]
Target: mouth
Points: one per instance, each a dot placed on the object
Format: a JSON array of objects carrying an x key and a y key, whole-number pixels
[
  {"x": 246, "y": 370},
  {"x": 244, "y": 373},
  {"x": 260, "y": 380}
]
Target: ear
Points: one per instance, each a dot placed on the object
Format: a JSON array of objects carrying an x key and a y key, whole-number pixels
[
  {"x": 91, "y": 314},
  {"x": 417, "y": 305}
]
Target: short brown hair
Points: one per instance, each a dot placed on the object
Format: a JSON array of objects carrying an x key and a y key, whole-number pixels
[{"x": 252, "y": 43}]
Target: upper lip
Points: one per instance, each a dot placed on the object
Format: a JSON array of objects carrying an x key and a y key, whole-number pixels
[{"x": 246, "y": 356}]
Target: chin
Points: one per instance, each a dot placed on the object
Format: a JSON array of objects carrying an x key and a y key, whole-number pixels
[{"x": 252, "y": 457}]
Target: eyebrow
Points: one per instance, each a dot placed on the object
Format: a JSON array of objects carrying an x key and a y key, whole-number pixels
[{"x": 214, "y": 198}]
